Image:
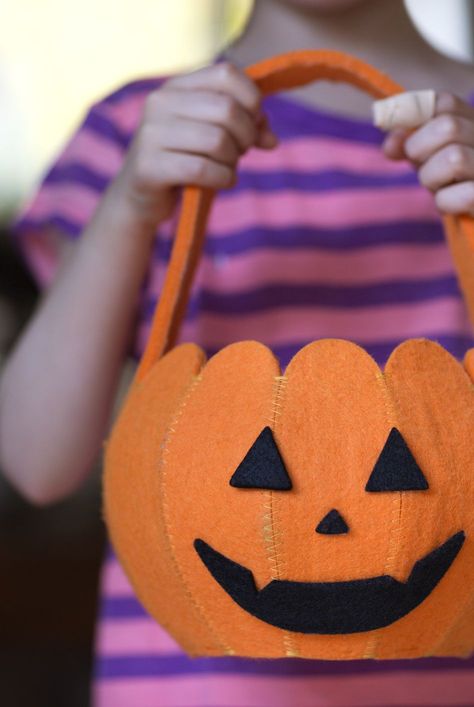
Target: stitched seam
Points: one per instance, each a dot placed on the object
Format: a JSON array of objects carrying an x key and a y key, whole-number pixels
[
  {"x": 273, "y": 535},
  {"x": 162, "y": 471},
  {"x": 270, "y": 532},
  {"x": 460, "y": 504},
  {"x": 396, "y": 514}
]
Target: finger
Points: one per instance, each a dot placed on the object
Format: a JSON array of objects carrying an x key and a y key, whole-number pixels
[
  {"x": 454, "y": 163},
  {"x": 223, "y": 77},
  {"x": 449, "y": 103},
  {"x": 208, "y": 107},
  {"x": 394, "y": 144},
  {"x": 456, "y": 199},
  {"x": 181, "y": 169},
  {"x": 438, "y": 133},
  {"x": 197, "y": 138},
  {"x": 266, "y": 138}
]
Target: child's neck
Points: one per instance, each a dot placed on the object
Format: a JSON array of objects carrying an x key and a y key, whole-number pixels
[{"x": 378, "y": 31}]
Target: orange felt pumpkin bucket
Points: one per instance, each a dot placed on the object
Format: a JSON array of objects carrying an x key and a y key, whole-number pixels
[{"x": 323, "y": 513}]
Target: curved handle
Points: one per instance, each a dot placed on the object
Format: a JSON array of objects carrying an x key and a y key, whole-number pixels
[{"x": 279, "y": 73}]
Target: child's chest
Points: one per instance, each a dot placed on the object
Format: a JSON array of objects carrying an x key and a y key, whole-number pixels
[{"x": 320, "y": 238}]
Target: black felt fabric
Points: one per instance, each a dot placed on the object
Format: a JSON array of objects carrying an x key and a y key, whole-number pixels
[
  {"x": 396, "y": 468},
  {"x": 262, "y": 466},
  {"x": 332, "y": 524},
  {"x": 331, "y": 607}
]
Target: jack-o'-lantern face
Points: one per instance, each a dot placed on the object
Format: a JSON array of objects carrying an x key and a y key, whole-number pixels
[
  {"x": 331, "y": 607},
  {"x": 323, "y": 513}
]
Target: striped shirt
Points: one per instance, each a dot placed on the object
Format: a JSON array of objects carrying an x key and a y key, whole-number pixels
[{"x": 322, "y": 237}]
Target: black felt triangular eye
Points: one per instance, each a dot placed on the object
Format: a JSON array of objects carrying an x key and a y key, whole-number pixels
[
  {"x": 396, "y": 468},
  {"x": 262, "y": 466}
]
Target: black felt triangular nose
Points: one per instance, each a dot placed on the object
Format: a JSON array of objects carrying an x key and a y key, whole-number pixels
[
  {"x": 262, "y": 466},
  {"x": 396, "y": 468},
  {"x": 332, "y": 524}
]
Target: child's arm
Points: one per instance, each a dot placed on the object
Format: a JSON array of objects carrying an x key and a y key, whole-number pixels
[{"x": 58, "y": 386}]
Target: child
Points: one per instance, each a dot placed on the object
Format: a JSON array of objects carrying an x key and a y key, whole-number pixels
[{"x": 323, "y": 236}]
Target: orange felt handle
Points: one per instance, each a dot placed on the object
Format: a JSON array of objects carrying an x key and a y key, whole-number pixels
[{"x": 279, "y": 73}]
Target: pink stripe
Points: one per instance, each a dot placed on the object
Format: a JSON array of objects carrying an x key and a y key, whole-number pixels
[
  {"x": 366, "y": 266},
  {"x": 239, "y": 211},
  {"x": 340, "y": 209},
  {"x": 127, "y": 112},
  {"x": 114, "y": 580},
  {"x": 92, "y": 150},
  {"x": 368, "y": 324},
  {"x": 310, "y": 154},
  {"x": 408, "y": 689},
  {"x": 72, "y": 201},
  {"x": 133, "y": 637}
]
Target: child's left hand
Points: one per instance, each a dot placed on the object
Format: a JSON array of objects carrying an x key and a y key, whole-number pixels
[{"x": 442, "y": 150}]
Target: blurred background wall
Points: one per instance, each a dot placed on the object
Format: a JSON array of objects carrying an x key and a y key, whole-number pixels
[
  {"x": 48, "y": 48},
  {"x": 56, "y": 57}
]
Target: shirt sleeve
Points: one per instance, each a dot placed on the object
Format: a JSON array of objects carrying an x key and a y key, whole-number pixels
[{"x": 69, "y": 192}]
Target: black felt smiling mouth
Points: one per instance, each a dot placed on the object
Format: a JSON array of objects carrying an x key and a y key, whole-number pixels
[
  {"x": 351, "y": 606},
  {"x": 331, "y": 607}
]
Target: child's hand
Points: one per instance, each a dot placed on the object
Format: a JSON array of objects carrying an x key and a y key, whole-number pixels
[
  {"x": 442, "y": 150},
  {"x": 194, "y": 130}
]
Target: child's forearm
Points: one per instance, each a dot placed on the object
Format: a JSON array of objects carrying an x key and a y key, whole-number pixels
[{"x": 58, "y": 386}]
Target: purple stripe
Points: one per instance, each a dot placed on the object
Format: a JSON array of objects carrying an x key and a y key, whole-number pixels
[
  {"x": 133, "y": 88},
  {"x": 247, "y": 240},
  {"x": 134, "y": 666},
  {"x": 328, "y": 296},
  {"x": 126, "y": 607},
  {"x": 283, "y": 295},
  {"x": 380, "y": 351},
  {"x": 332, "y": 239},
  {"x": 319, "y": 181},
  {"x": 290, "y": 119},
  {"x": 109, "y": 553},
  {"x": 56, "y": 220},
  {"x": 78, "y": 174},
  {"x": 106, "y": 128}
]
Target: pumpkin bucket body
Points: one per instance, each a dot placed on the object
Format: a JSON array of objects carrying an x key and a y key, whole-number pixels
[
  {"x": 321, "y": 512},
  {"x": 186, "y": 428}
]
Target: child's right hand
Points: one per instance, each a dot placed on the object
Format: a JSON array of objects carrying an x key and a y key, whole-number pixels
[{"x": 194, "y": 129}]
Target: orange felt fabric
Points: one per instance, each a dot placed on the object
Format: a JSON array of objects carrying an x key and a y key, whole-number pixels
[
  {"x": 187, "y": 424},
  {"x": 223, "y": 417},
  {"x": 133, "y": 501},
  {"x": 469, "y": 363},
  {"x": 434, "y": 401},
  {"x": 180, "y": 491}
]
